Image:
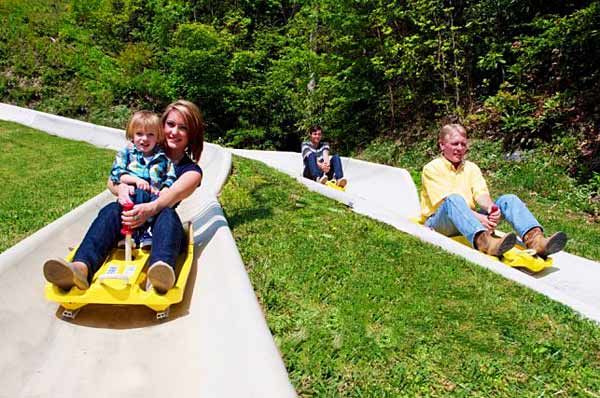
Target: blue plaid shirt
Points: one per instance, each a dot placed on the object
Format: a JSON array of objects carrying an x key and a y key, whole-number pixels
[{"x": 159, "y": 171}]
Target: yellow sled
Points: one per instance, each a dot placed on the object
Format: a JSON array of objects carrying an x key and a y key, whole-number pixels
[
  {"x": 517, "y": 257},
  {"x": 333, "y": 185},
  {"x": 119, "y": 282}
]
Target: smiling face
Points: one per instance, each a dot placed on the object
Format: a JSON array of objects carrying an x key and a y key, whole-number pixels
[
  {"x": 454, "y": 146},
  {"x": 315, "y": 137},
  {"x": 176, "y": 134},
  {"x": 145, "y": 140},
  {"x": 144, "y": 131}
]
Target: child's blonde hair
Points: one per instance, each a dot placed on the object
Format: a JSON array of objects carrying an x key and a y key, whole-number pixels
[{"x": 145, "y": 121}]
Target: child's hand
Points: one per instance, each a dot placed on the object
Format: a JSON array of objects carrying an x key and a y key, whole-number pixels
[
  {"x": 154, "y": 191},
  {"x": 124, "y": 193},
  {"x": 143, "y": 185}
]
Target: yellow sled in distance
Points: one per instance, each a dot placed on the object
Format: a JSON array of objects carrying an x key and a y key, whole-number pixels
[{"x": 333, "y": 185}]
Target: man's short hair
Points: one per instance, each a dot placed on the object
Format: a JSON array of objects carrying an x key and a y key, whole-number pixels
[
  {"x": 314, "y": 128},
  {"x": 448, "y": 129}
]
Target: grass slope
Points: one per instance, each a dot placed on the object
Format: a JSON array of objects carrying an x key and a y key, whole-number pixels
[
  {"x": 45, "y": 177},
  {"x": 360, "y": 309}
]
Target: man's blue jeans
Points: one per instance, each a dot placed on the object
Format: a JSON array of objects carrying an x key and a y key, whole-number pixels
[
  {"x": 454, "y": 217},
  {"x": 312, "y": 170},
  {"x": 105, "y": 232}
]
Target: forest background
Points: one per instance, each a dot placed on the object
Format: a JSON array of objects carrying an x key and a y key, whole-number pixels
[{"x": 372, "y": 73}]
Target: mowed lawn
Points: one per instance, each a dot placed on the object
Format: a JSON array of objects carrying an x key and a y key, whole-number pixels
[
  {"x": 43, "y": 178},
  {"x": 359, "y": 309}
]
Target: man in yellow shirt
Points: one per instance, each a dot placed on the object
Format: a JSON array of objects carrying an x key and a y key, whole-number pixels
[{"x": 452, "y": 187}]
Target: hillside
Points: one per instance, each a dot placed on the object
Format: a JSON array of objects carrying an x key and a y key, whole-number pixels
[{"x": 522, "y": 73}]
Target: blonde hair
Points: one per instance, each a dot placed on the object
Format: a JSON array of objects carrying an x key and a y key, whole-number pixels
[
  {"x": 195, "y": 125},
  {"x": 145, "y": 121},
  {"x": 448, "y": 129}
]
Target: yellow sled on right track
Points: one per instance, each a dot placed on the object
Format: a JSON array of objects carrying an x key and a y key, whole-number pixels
[{"x": 517, "y": 257}]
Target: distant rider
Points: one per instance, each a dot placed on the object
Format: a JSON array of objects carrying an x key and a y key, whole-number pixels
[{"x": 318, "y": 164}]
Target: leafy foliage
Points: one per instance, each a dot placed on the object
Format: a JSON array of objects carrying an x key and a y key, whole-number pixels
[{"x": 263, "y": 71}]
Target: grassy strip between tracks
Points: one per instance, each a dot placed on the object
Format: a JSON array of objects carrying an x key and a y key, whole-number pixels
[
  {"x": 44, "y": 177},
  {"x": 360, "y": 309}
]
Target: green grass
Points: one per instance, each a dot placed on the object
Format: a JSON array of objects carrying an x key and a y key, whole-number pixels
[
  {"x": 360, "y": 309},
  {"x": 357, "y": 308},
  {"x": 44, "y": 177}
]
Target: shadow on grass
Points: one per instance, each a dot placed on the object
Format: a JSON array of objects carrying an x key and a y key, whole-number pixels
[{"x": 260, "y": 209}]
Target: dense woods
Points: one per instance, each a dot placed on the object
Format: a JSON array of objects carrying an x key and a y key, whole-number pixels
[{"x": 523, "y": 72}]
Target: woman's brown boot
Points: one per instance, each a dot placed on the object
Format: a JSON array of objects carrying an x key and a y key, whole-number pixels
[
  {"x": 535, "y": 240},
  {"x": 487, "y": 243}
]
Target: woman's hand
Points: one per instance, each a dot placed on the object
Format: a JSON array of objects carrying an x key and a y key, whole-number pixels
[
  {"x": 140, "y": 213},
  {"x": 123, "y": 193}
]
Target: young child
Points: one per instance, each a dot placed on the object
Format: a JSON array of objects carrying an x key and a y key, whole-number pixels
[{"x": 143, "y": 165}]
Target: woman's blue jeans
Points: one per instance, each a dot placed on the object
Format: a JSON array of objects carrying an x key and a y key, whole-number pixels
[
  {"x": 454, "y": 217},
  {"x": 312, "y": 170},
  {"x": 105, "y": 232}
]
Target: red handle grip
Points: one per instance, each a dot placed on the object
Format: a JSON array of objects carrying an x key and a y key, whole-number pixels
[{"x": 126, "y": 229}]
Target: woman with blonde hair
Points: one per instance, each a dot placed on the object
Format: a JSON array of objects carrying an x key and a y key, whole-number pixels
[{"x": 184, "y": 137}]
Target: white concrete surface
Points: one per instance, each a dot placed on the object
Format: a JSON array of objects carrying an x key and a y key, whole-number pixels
[
  {"x": 215, "y": 344},
  {"x": 389, "y": 195}
]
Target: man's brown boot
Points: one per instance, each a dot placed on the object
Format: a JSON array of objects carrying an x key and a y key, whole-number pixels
[
  {"x": 487, "y": 243},
  {"x": 535, "y": 240}
]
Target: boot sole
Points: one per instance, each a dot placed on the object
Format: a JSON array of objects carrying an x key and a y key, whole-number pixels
[
  {"x": 60, "y": 273},
  {"x": 508, "y": 242},
  {"x": 556, "y": 243},
  {"x": 162, "y": 277}
]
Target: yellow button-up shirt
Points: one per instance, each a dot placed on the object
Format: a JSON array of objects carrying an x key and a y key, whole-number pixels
[{"x": 440, "y": 179}]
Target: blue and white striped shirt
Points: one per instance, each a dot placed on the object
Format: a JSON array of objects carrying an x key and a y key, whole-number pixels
[{"x": 307, "y": 149}]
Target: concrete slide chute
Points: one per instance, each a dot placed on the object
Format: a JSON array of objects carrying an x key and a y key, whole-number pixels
[
  {"x": 388, "y": 194},
  {"x": 216, "y": 343}
]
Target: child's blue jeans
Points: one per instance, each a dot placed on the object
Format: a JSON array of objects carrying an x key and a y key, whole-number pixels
[{"x": 141, "y": 196}]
